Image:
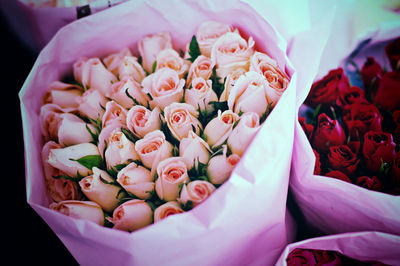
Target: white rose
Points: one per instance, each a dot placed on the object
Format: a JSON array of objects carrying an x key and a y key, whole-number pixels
[
  {"x": 229, "y": 82},
  {"x": 96, "y": 188},
  {"x": 163, "y": 87},
  {"x": 91, "y": 104},
  {"x": 150, "y": 46},
  {"x": 170, "y": 58},
  {"x": 220, "y": 167},
  {"x": 195, "y": 192},
  {"x": 171, "y": 173},
  {"x": 114, "y": 60},
  {"x": 167, "y": 209},
  {"x": 137, "y": 180},
  {"x": 141, "y": 121},
  {"x": 194, "y": 149},
  {"x": 65, "y": 159},
  {"x": 182, "y": 118},
  {"x": 128, "y": 93},
  {"x": 91, "y": 73},
  {"x": 249, "y": 94},
  {"x": 277, "y": 80},
  {"x": 231, "y": 52},
  {"x": 200, "y": 94},
  {"x": 220, "y": 127},
  {"x": 243, "y": 133},
  {"x": 120, "y": 149},
  {"x": 132, "y": 215},
  {"x": 62, "y": 94},
  {"x": 208, "y": 33},
  {"x": 153, "y": 148},
  {"x": 86, "y": 210}
]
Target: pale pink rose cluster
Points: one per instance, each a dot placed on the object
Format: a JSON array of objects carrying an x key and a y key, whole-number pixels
[{"x": 134, "y": 139}]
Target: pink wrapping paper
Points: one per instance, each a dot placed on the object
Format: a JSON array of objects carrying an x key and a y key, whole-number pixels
[
  {"x": 363, "y": 246},
  {"x": 245, "y": 221},
  {"x": 330, "y": 205}
]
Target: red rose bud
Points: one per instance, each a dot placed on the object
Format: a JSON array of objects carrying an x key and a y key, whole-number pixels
[
  {"x": 352, "y": 95},
  {"x": 317, "y": 166},
  {"x": 371, "y": 183},
  {"x": 338, "y": 175},
  {"x": 328, "y": 133},
  {"x": 327, "y": 257},
  {"x": 378, "y": 148},
  {"x": 396, "y": 132},
  {"x": 388, "y": 94},
  {"x": 342, "y": 158},
  {"x": 300, "y": 257},
  {"x": 308, "y": 128},
  {"x": 371, "y": 73},
  {"x": 360, "y": 118},
  {"x": 392, "y": 51},
  {"x": 326, "y": 90}
]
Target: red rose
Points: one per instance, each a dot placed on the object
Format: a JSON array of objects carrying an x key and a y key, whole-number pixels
[
  {"x": 342, "y": 158},
  {"x": 392, "y": 51},
  {"x": 371, "y": 74},
  {"x": 396, "y": 119},
  {"x": 300, "y": 257},
  {"x": 360, "y": 118},
  {"x": 328, "y": 133},
  {"x": 338, "y": 175},
  {"x": 388, "y": 94},
  {"x": 352, "y": 95},
  {"x": 378, "y": 148},
  {"x": 371, "y": 183},
  {"x": 326, "y": 90},
  {"x": 308, "y": 128},
  {"x": 396, "y": 170},
  {"x": 327, "y": 257},
  {"x": 317, "y": 167}
]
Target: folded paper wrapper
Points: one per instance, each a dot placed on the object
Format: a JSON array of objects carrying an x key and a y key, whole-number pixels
[
  {"x": 363, "y": 246},
  {"x": 245, "y": 221},
  {"x": 328, "y": 204}
]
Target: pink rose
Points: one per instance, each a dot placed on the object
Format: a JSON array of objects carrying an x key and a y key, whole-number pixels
[
  {"x": 79, "y": 209},
  {"x": 167, "y": 209},
  {"x": 164, "y": 87},
  {"x": 63, "y": 94},
  {"x": 150, "y": 46},
  {"x": 114, "y": 113},
  {"x": 123, "y": 91},
  {"x": 220, "y": 167},
  {"x": 208, "y": 33},
  {"x": 230, "y": 82},
  {"x": 195, "y": 192},
  {"x": 194, "y": 149},
  {"x": 130, "y": 68},
  {"x": 91, "y": 73},
  {"x": 137, "y": 180},
  {"x": 200, "y": 94},
  {"x": 91, "y": 104},
  {"x": 220, "y": 127},
  {"x": 171, "y": 173},
  {"x": 170, "y": 58},
  {"x": 114, "y": 60},
  {"x": 201, "y": 68},
  {"x": 141, "y": 121},
  {"x": 132, "y": 215}
]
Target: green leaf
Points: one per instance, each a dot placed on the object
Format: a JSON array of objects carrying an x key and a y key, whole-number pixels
[
  {"x": 77, "y": 178},
  {"x": 266, "y": 113},
  {"x": 94, "y": 135},
  {"x": 90, "y": 161},
  {"x": 153, "y": 67},
  {"x": 315, "y": 114},
  {"x": 188, "y": 206},
  {"x": 114, "y": 183},
  {"x": 217, "y": 87},
  {"x": 223, "y": 106},
  {"x": 130, "y": 96},
  {"x": 129, "y": 135},
  {"x": 194, "y": 49}
]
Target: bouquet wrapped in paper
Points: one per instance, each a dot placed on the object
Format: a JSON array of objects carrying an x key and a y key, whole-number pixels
[
  {"x": 163, "y": 139},
  {"x": 344, "y": 169},
  {"x": 361, "y": 248}
]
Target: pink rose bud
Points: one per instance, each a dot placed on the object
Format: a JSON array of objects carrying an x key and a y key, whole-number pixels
[
  {"x": 193, "y": 150},
  {"x": 208, "y": 33},
  {"x": 200, "y": 94},
  {"x": 62, "y": 94},
  {"x": 167, "y": 209},
  {"x": 220, "y": 167},
  {"x": 130, "y": 68},
  {"x": 201, "y": 68},
  {"x": 230, "y": 82},
  {"x": 220, "y": 127},
  {"x": 196, "y": 192},
  {"x": 141, "y": 121},
  {"x": 98, "y": 188},
  {"x": 86, "y": 210},
  {"x": 150, "y": 46},
  {"x": 50, "y": 119},
  {"x": 170, "y": 58},
  {"x": 91, "y": 73},
  {"x": 137, "y": 180},
  {"x": 128, "y": 93},
  {"x": 114, "y": 113},
  {"x": 164, "y": 87},
  {"x": 182, "y": 118},
  {"x": 244, "y": 132},
  {"x": 231, "y": 52},
  {"x": 114, "y": 60},
  {"x": 91, "y": 104},
  {"x": 277, "y": 80},
  {"x": 132, "y": 215},
  {"x": 171, "y": 173}
]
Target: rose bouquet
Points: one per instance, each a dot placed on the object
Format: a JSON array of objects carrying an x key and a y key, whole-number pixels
[
  {"x": 364, "y": 248},
  {"x": 348, "y": 129},
  {"x": 173, "y": 136}
]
